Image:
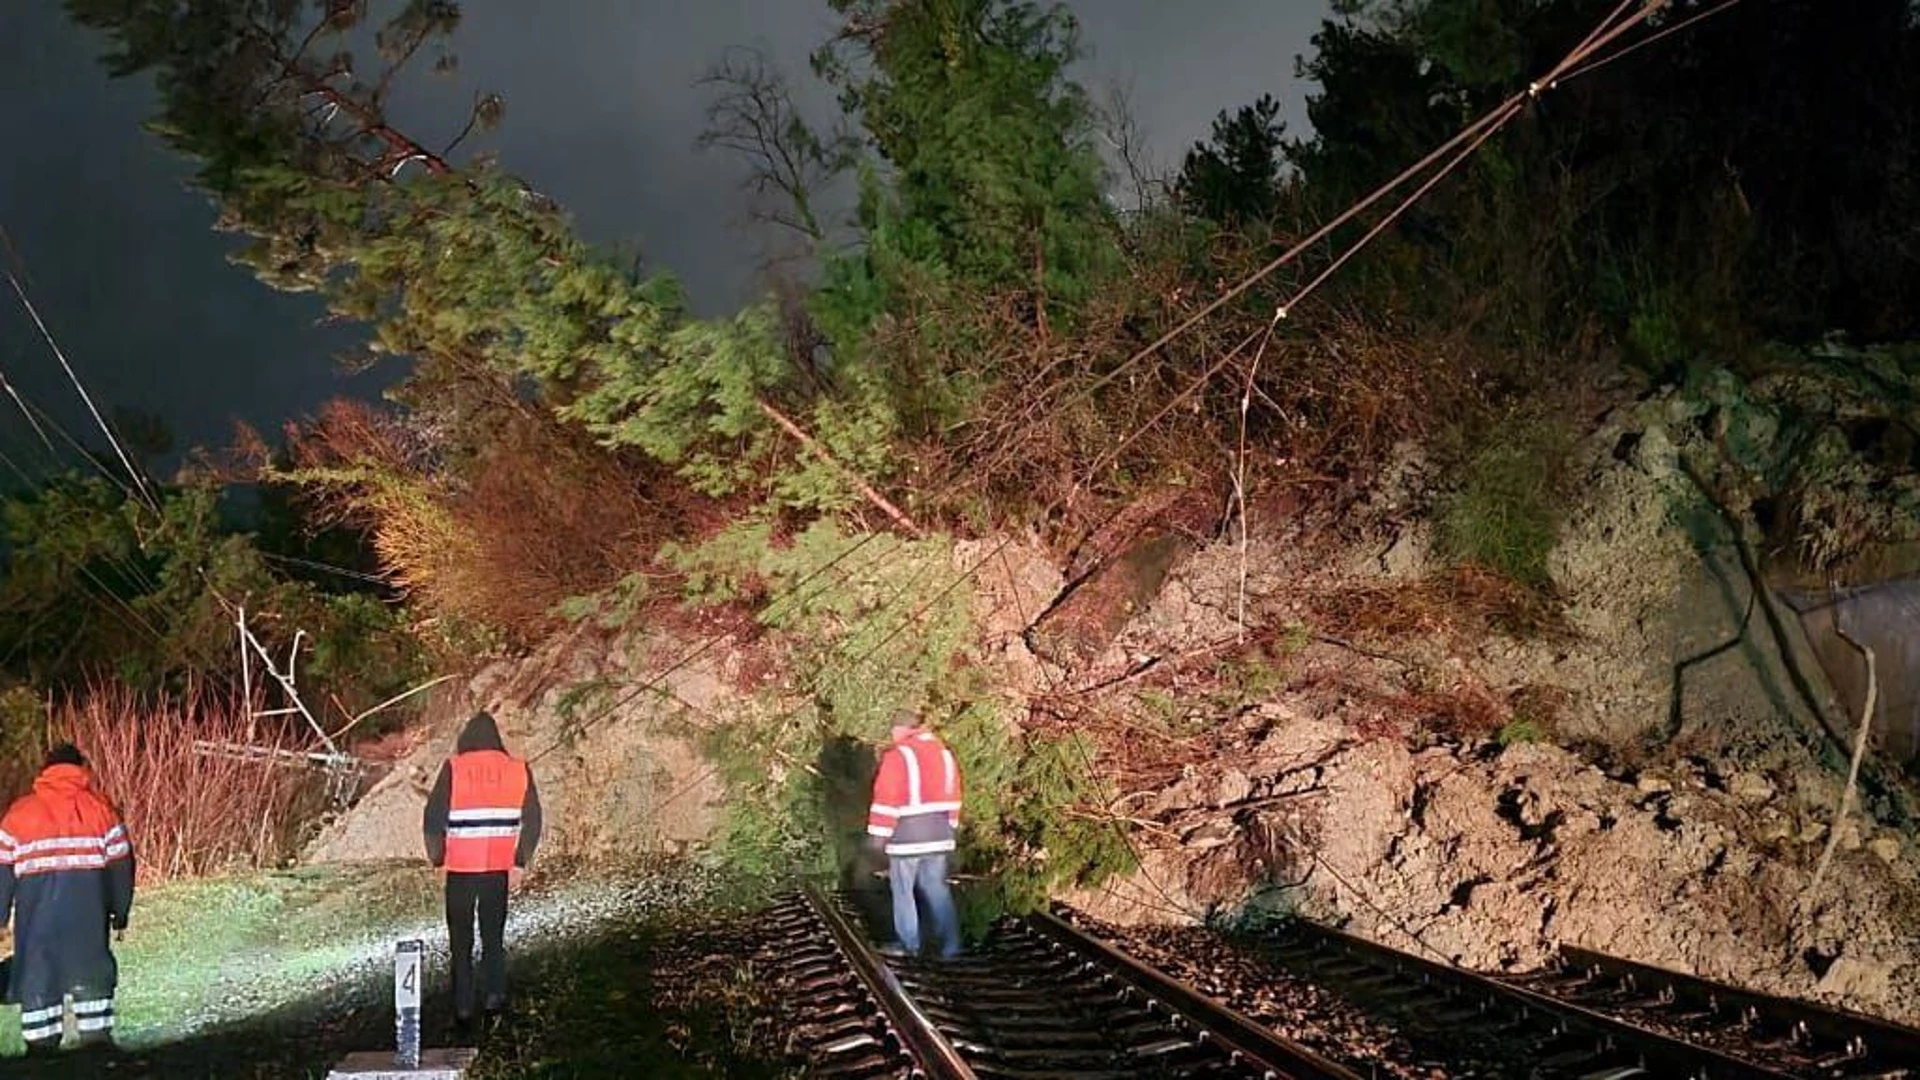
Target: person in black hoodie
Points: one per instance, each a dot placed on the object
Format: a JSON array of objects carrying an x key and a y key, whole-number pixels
[{"x": 482, "y": 825}]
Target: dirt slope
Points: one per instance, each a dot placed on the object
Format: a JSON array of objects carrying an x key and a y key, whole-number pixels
[
  {"x": 614, "y": 751},
  {"x": 1692, "y": 851},
  {"x": 1349, "y": 765}
]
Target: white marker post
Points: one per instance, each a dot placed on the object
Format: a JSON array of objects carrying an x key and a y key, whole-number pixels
[
  {"x": 407, "y": 1061},
  {"x": 408, "y": 960}
]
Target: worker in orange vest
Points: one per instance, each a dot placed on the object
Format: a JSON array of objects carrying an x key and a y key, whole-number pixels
[
  {"x": 66, "y": 873},
  {"x": 914, "y": 816},
  {"x": 482, "y": 825}
]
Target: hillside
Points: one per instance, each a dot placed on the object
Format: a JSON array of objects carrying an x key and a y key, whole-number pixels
[
  {"x": 1362, "y": 754},
  {"x": 1483, "y": 519}
]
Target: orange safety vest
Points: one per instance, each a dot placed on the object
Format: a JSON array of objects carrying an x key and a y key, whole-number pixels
[
  {"x": 483, "y": 811},
  {"x": 916, "y": 796}
]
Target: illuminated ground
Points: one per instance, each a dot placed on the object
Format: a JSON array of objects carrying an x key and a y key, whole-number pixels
[{"x": 281, "y": 975}]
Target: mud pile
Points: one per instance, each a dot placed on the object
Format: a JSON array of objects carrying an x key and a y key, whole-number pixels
[
  {"x": 1668, "y": 808},
  {"x": 614, "y": 749}
]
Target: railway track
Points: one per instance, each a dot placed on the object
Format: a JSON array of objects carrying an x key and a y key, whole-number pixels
[
  {"x": 1042, "y": 998},
  {"x": 1039, "y": 1000},
  {"x": 1593, "y": 1016}
]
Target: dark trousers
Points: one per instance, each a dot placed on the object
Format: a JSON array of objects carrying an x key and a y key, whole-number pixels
[{"x": 484, "y": 895}]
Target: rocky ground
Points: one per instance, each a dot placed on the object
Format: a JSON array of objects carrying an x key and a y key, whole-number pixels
[
  {"x": 613, "y": 747},
  {"x": 1485, "y": 797}
]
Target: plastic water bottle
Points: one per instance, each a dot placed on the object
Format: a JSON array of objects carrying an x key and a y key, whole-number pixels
[{"x": 409, "y": 960}]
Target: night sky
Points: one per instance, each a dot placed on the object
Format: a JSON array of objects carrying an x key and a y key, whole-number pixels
[{"x": 602, "y": 113}]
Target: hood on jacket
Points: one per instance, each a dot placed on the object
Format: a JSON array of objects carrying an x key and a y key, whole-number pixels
[
  {"x": 63, "y": 779},
  {"x": 481, "y": 733}
]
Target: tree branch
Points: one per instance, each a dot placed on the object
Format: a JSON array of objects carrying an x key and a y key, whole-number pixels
[
  {"x": 1859, "y": 754},
  {"x": 865, "y": 489}
]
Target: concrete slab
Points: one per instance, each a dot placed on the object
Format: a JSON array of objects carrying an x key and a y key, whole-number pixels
[{"x": 440, "y": 1064}]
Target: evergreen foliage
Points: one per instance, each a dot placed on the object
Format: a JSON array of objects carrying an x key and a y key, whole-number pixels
[
  {"x": 883, "y": 624},
  {"x": 1747, "y": 176},
  {"x": 994, "y": 180},
  {"x": 95, "y": 588},
  {"x": 982, "y": 341},
  {"x": 1234, "y": 179}
]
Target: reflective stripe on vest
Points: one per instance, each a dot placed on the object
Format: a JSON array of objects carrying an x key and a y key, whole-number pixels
[{"x": 483, "y": 814}]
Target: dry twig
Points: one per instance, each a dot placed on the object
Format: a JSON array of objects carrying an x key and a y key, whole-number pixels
[{"x": 1859, "y": 754}]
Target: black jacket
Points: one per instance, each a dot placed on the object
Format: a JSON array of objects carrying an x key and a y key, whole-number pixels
[{"x": 481, "y": 733}]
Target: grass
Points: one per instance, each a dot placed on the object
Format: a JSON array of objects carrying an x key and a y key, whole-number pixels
[
  {"x": 282, "y": 975},
  {"x": 198, "y": 952},
  {"x": 1503, "y": 512}
]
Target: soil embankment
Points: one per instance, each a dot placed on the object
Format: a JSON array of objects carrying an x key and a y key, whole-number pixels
[{"x": 1652, "y": 776}]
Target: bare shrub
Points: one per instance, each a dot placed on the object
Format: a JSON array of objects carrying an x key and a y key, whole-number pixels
[
  {"x": 1077, "y": 423},
  {"x": 190, "y": 814},
  {"x": 534, "y": 518},
  {"x": 1460, "y": 606}
]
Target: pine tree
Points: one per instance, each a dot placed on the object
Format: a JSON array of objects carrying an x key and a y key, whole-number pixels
[
  {"x": 476, "y": 278},
  {"x": 1234, "y": 179},
  {"x": 992, "y": 174}
]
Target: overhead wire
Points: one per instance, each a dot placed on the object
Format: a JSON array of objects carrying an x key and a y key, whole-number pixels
[
  {"x": 1472, "y": 137},
  {"x": 329, "y": 568},
  {"x": 21, "y": 402},
  {"x": 1676, "y": 27},
  {"x": 125, "y": 611},
  {"x": 41, "y": 420},
  {"x": 1608, "y": 31},
  {"x": 707, "y": 645},
  {"x": 138, "y": 493},
  {"x": 20, "y": 291}
]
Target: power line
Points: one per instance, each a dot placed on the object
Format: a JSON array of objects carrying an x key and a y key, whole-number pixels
[
  {"x": 706, "y": 646},
  {"x": 1460, "y": 146},
  {"x": 7, "y": 385},
  {"x": 1696, "y": 17},
  {"x": 328, "y": 568},
  {"x": 113, "y": 440},
  {"x": 1608, "y": 31},
  {"x": 1465, "y": 142}
]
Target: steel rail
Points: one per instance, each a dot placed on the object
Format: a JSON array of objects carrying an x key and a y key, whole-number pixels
[
  {"x": 1875, "y": 1043},
  {"x": 1657, "y": 1052},
  {"x": 930, "y": 1050},
  {"x": 1244, "y": 1039}
]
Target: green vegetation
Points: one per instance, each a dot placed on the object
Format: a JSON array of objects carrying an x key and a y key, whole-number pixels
[
  {"x": 1504, "y": 512},
  {"x": 225, "y": 942},
  {"x": 1520, "y": 729},
  {"x": 281, "y": 975},
  {"x": 988, "y": 343},
  {"x": 889, "y": 630},
  {"x": 1817, "y": 446},
  {"x": 117, "y": 630},
  {"x": 101, "y": 586}
]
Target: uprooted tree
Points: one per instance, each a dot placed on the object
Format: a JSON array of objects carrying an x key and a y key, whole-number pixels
[{"x": 989, "y": 349}]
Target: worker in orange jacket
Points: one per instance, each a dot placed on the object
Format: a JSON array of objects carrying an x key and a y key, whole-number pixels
[
  {"x": 482, "y": 825},
  {"x": 66, "y": 874},
  {"x": 914, "y": 816}
]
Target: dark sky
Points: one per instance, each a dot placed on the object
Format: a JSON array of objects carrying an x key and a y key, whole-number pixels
[{"x": 602, "y": 113}]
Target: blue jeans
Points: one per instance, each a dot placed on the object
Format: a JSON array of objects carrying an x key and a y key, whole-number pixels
[{"x": 923, "y": 876}]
